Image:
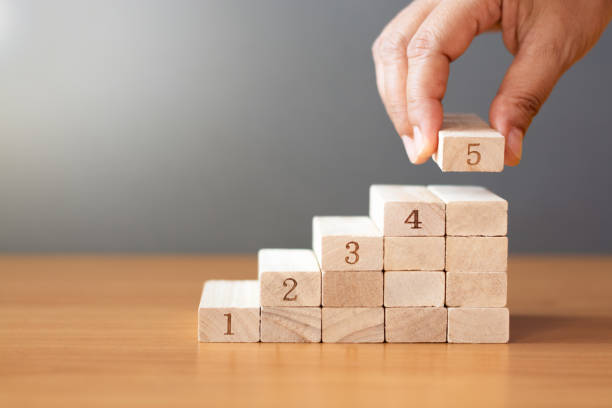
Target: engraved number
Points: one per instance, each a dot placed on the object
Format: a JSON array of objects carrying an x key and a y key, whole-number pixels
[
  {"x": 285, "y": 284},
  {"x": 476, "y": 159},
  {"x": 416, "y": 224},
  {"x": 229, "y": 324},
  {"x": 353, "y": 247}
]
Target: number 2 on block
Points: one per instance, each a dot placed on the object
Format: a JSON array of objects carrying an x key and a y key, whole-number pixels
[
  {"x": 285, "y": 284},
  {"x": 413, "y": 219},
  {"x": 353, "y": 247}
]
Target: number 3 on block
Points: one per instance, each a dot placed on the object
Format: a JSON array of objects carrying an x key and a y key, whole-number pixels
[{"x": 353, "y": 247}]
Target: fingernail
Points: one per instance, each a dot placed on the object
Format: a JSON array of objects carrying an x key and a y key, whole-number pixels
[
  {"x": 418, "y": 140},
  {"x": 515, "y": 142},
  {"x": 410, "y": 147}
]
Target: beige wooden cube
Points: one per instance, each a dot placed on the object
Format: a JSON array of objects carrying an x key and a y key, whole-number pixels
[
  {"x": 290, "y": 324},
  {"x": 229, "y": 311},
  {"x": 347, "y": 243},
  {"x": 414, "y": 288},
  {"x": 344, "y": 288},
  {"x": 414, "y": 253},
  {"x": 476, "y": 254},
  {"x": 403, "y": 211},
  {"x": 473, "y": 210},
  {"x": 478, "y": 325},
  {"x": 475, "y": 289},
  {"x": 467, "y": 143},
  {"x": 353, "y": 325},
  {"x": 289, "y": 277},
  {"x": 415, "y": 324}
]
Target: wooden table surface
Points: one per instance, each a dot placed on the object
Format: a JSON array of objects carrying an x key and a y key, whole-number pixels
[{"x": 121, "y": 331}]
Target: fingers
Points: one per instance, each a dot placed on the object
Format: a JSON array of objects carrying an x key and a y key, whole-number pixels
[
  {"x": 527, "y": 84},
  {"x": 391, "y": 65},
  {"x": 444, "y": 35}
]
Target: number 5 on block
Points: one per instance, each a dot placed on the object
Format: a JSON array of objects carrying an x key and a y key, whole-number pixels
[
  {"x": 467, "y": 143},
  {"x": 347, "y": 244}
]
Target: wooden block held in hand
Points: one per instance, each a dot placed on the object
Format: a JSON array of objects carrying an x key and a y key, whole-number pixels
[
  {"x": 467, "y": 143},
  {"x": 478, "y": 325},
  {"x": 414, "y": 288},
  {"x": 289, "y": 277},
  {"x": 404, "y": 211},
  {"x": 414, "y": 253},
  {"x": 345, "y": 288},
  {"x": 473, "y": 210},
  {"x": 475, "y": 289},
  {"x": 353, "y": 325},
  {"x": 229, "y": 311},
  {"x": 347, "y": 244},
  {"x": 290, "y": 324},
  {"x": 415, "y": 324},
  {"x": 476, "y": 254}
]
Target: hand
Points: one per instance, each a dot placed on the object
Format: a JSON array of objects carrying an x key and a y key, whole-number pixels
[{"x": 413, "y": 53}]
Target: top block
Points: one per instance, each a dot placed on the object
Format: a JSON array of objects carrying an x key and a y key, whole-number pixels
[
  {"x": 406, "y": 211},
  {"x": 467, "y": 143},
  {"x": 473, "y": 211},
  {"x": 347, "y": 244}
]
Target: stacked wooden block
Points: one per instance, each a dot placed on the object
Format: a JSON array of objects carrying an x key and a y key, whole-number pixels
[{"x": 427, "y": 265}]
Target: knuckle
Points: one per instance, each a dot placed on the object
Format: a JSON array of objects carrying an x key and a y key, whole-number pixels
[
  {"x": 528, "y": 103},
  {"x": 422, "y": 44},
  {"x": 391, "y": 47},
  {"x": 396, "y": 108}
]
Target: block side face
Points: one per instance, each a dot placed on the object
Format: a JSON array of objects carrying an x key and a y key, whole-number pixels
[
  {"x": 290, "y": 289},
  {"x": 414, "y": 289},
  {"x": 471, "y": 153},
  {"x": 285, "y": 260},
  {"x": 352, "y": 289},
  {"x": 353, "y": 325},
  {"x": 417, "y": 219},
  {"x": 416, "y": 325},
  {"x": 478, "y": 325},
  {"x": 476, "y": 254},
  {"x": 476, "y": 289},
  {"x": 228, "y": 325},
  {"x": 477, "y": 218},
  {"x": 291, "y": 324},
  {"x": 414, "y": 253},
  {"x": 352, "y": 253}
]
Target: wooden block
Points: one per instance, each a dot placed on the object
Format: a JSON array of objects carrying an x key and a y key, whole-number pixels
[
  {"x": 473, "y": 210},
  {"x": 476, "y": 254},
  {"x": 343, "y": 288},
  {"x": 229, "y": 311},
  {"x": 347, "y": 244},
  {"x": 404, "y": 211},
  {"x": 290, "y": 324},
  {"x": 289, "y": 277},
  {"x": 475, "y": 289},
  {"x": 414, "y": 288},
  {"x": 414, "y": 253},
  {"x": 415, "y": 324},
  {"x": 467, "y": 143},
  {"x": 353, "y": 324},
  {"x": 478, "y": 325}
]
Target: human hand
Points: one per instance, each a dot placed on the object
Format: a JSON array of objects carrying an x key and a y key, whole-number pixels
[{"x": 413, "y": 54}]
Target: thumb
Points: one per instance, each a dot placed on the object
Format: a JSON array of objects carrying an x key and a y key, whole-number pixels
[{"x": 527, "y": 84}]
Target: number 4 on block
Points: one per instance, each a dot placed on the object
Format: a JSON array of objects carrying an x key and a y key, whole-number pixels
[{"x": 467, "y": 143}]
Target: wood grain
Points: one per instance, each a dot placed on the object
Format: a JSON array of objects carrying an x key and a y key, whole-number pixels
[
  {"x": 478, "y": 325},
  {"x": 462, "y": 134},
  {"x": 476, "y": 254},
  {"x": 415, "y": 324},
  {"x": 353, "y": 324},
  {"x": 414, "y": 253},
  {"x": 343, "y": 288},
  {"x": 406, "y": 211},
  {"x": 291, "y": 324},
  {"x": 120, "y": 331},
  {"x": 476, "y": 289},
  {"x": 473, "y": 210},
  {"x": 414, "y": 288}
]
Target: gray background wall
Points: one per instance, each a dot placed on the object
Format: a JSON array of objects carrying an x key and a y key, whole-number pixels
[{"x": 224, "y": 126}]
